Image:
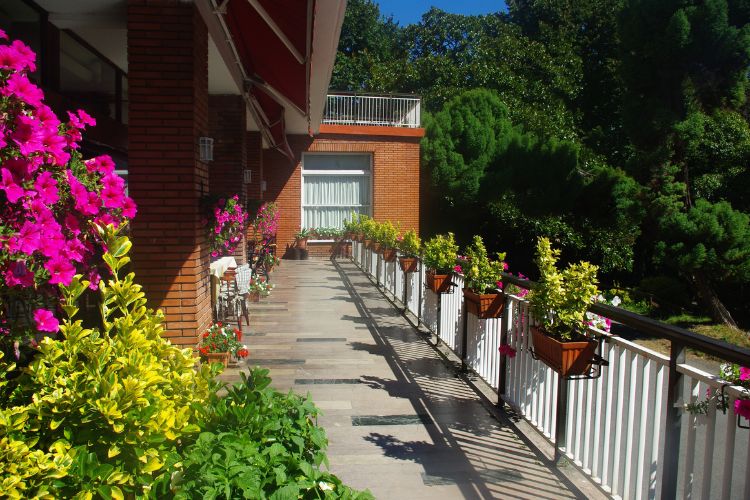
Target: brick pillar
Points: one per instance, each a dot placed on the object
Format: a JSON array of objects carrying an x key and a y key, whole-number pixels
[
  {"x": 255, "y": 164},
  {"x": 168, "y": 86},
  {"x": 227, "y": 122}
]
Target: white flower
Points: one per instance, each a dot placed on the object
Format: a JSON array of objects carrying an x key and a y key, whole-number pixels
[
  {"x": 616, "y": 301},
  {"x": 325, "y": 486},
  {"x": 600, "y": 298}
]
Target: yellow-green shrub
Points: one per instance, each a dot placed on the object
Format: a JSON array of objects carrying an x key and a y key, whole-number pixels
[{"x": 112, "y": 402}]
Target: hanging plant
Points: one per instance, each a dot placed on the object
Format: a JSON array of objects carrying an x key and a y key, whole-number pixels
[{"x": 226, "y": 225}]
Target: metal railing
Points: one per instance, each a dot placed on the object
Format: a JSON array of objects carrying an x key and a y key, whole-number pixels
[
  {"x": 627, "y": 429},
  {"x": 372, "y": 110}
]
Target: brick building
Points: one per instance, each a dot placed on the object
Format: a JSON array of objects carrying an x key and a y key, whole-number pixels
[{"x": 163, "y": 76}]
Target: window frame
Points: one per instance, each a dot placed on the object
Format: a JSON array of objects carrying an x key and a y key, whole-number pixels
[{"x": 362, "y": 173}]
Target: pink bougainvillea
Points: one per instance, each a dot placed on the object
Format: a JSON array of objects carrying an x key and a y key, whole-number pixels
[
  {"x": 49, "y": 198},
  {"x": 226, "y": 226}
]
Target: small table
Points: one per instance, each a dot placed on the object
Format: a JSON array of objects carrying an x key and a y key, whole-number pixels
[{"x": 216, "y": 271}]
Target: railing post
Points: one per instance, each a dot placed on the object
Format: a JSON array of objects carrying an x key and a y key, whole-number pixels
[
  {"x": 405, "y": 299},
  {"x": 419, "y": 295},
  {"x": 504, "y": 320},
  {"x": 673, "y": 421},
  {"x": 439, "y": 316},
  {"x": 561, "y": 419},
  {"x": 464, "y": 336}
]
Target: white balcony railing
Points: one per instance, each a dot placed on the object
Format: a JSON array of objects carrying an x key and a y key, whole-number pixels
[
  {"x": 372, "y": 110},
  {"x": 615, "y": 428}
]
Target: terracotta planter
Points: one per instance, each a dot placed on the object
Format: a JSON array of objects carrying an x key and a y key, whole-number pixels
[
  {"x": 301, "y": 243},
  {"x": 566, "y": 358},
  {"x": 369, "y": 243},
  {"x": 389, "y": 254},
  {"x": 485, "y": 305},
  {"x": 438, "y": 283},
  {"x": 216, "y": 357},
  {"x": 254, "y": 296},
  {"x": 377, "y": 247},
  {"x": 408, "y": 264}
]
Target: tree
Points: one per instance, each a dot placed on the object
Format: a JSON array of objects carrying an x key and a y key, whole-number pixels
[
  {"x": 685, "y": 64},
  {"x": 367, "y": 39}
]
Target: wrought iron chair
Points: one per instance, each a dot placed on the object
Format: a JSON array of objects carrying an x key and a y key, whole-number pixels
[{"x": 242, "y": 279}]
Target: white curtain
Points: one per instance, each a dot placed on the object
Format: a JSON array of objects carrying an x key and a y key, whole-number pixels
[{"x": 329, "y": 200}]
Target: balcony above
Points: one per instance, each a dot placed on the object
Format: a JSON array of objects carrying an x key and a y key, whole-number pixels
[{"x": 374, "y": 110}]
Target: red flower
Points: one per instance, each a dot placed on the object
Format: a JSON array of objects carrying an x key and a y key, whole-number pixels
[
  {"x": 203, "y": 350},
  {"x": 506, "y": 350},
  {"x": 243, "y": 353},
  {"x": 238, "y": 334},
  {"x": 205, "y": 335}
]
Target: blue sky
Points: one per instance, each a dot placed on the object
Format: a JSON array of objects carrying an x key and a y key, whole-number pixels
[{"x": 410, "y": 11}]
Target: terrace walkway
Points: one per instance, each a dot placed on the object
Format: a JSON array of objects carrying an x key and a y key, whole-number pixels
[{"x": 398, "y": 420}]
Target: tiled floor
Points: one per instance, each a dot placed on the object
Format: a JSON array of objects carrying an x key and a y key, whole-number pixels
[{"x": 399, "y": 422}]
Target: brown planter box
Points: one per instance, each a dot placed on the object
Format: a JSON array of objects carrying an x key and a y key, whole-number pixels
[
  {"x": 438, "y": 283},
  {"x": 566, "y": 358},
  {"x": 301, "y": 244},
  {"x": 370, "y": 243},
  {"x": 254, "y": 296},
  {"x": 408, "y": 264},
  {"x": 377, "y": 248},
  {"x": 216, "y": 357},
  {"x": 389, "y": 254},
  {"x": 485, "y": 305}
]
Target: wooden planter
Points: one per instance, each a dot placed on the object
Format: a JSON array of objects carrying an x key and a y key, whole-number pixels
[
  {"x": 485, "y": 305},
  {"x": 389, "y": 254},
  {"x": 254, "y": 296},
  {"x": 408, "y": 264},
  {"x": 566, "y": 358},
  {"x": 216, "y": 357},
  {"x": 438, "y": 283}
]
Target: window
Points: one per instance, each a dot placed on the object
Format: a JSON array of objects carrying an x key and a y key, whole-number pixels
[{"x": 334, "y": 186}]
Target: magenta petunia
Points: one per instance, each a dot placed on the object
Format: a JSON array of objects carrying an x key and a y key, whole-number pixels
[
  {"x": 14, "y": 59},
  {"x": 19, "y": 275},
  {"x": 3, "y": 36},
  {"x": 27, "y": 135},
  {"x": 46, "y": 187},
  {"x": 102, "y": 164},
  {"x": 46, "y": 321},
  {"x": 94, "y": 279},
  {"x": 8, "y": 184},
  {"x": 129, "y": 208},
  {"x": 112, "y": 197},
  {"x": 27, "y": 240},
  {"x": 744, "y": 373},
  {"x": 54, "y": 144},
  {"x": 60, "y": 270},
  {"x": 742, "y": 407},
  {"x": 19, "y": 86}
]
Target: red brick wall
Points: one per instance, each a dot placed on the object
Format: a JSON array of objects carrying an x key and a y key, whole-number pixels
[
  {"x": 254, "y": 155},
  {"x": 227, "y": 123},
  {"x": 395, "y": 178},
  {"x": 168, "y": 85}
]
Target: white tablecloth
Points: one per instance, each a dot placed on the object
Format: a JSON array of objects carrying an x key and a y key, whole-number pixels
[
  {"x": 220, "y": 266},
  {"x": 217, "y": 270}
]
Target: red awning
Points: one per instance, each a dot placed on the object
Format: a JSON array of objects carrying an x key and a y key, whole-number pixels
[{"x": 272, "y": 40}]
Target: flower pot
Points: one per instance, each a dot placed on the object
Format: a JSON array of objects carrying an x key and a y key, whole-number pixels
[
  {"x": 484, "y": 305},
  {"x": 566, "y": 358},
  {"x": 389, "y": 254},
  {"x": 408, "y": 264},
  {"x": 438, "y": 283},
  {"x": 254, "y": 296},
  {"x": 370, "y": 243},
  {"x": 301, "y": 243},
  {"x": 216, "y": 357}
]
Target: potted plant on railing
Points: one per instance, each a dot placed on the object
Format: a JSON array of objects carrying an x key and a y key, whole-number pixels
[
  {"x": 368, "y": 228},
  {"x": 440, "y": 256},
  {"x": 300, "y": 239},
  {"x": 226, "y": 223},
  {"x": 409, "y": 245},
  {"x": 559, "y": 303},
  {"x": 377, "y": 237},
  {"x": 219, "y": 342},
  {"x": 481, "y": 278},
  {"x": 388, "y": 239}
]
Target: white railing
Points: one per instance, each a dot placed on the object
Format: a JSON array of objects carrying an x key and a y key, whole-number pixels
[
  {"x": 372, "y": 110},
  {"x": 615, "y": 426}
]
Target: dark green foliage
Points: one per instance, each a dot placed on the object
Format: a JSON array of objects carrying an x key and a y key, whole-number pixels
[
  {"x": 258, "y": 443},
  {"x": 711, "y": 238}
]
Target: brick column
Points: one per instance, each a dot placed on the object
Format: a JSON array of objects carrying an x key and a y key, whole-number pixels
[
  {"x": 227, "y": 121},
  {"x": 168, "y": 86}
]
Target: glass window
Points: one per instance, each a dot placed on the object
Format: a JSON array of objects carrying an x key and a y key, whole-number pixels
[
  {"x": 86, "y": 77},
  {"x": 22, "y": 22},
  {"x": 334, "y": 186}
]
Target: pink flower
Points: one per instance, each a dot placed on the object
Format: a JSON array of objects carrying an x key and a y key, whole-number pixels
[
  {"x": 46, "y": 187},
  {"x": 54, "y": 144},
  {"x": 129, "y": 208},
  {"x": 499, "y": 284},
  {"x": 102, "y": 164},
  {"x": 60, "y": 270},
  {"x": 19, "y": 86},
  {"x": 3, "y": 36},
  {"x": 742, "y": 407},
  {"x": 27, "y": 239},
  {"x": 18, "y": 274},
  {"x": 16, "y": 56},
  {"x": 457, "y": 268},
  {"x": 46, "y": 321},
  {"x": 505, "y": 266},
  {"x": 94, "y": 279},
  {"x": 8, "y": 183},
  {"x": 28, "y": 135},
  {"x": 506, "y": 350},
  {"x": 744, "y": 373}
]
